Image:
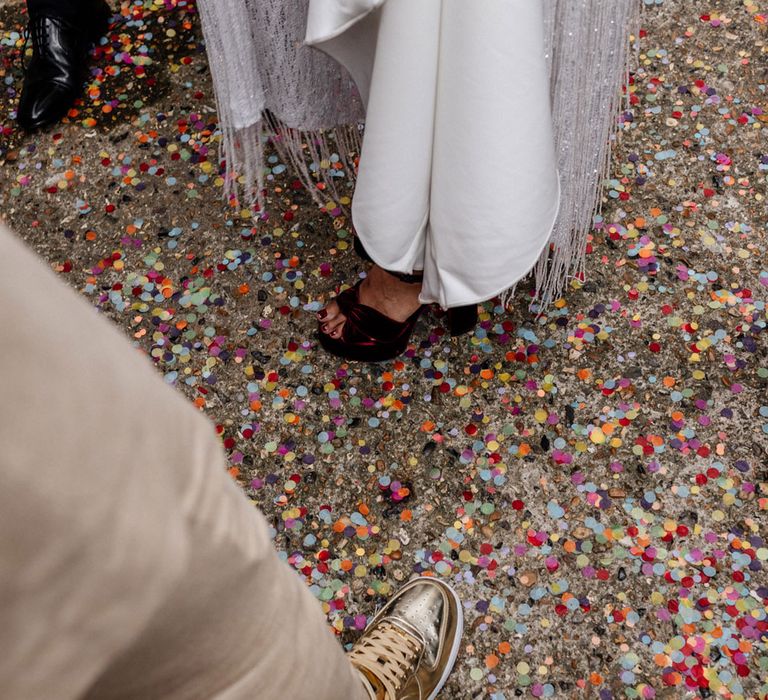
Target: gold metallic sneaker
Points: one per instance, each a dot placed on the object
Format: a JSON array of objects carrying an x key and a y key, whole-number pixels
[{"x": 409, "y": 648}]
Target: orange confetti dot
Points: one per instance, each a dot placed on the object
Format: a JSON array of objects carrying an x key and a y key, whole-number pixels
[{"x": 673, "y": 679}]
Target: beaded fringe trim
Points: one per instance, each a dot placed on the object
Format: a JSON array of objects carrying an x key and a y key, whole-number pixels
[{"x": 588, "y": 48}]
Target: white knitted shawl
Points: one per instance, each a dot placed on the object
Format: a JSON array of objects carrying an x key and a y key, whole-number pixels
[{"x": 270, "y": 86}]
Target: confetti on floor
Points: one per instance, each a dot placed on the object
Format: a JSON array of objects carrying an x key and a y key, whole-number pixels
[{"x": 593, "y": 480}]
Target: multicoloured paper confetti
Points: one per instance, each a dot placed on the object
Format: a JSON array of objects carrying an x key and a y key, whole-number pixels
[{"x": 592, "y": 479}]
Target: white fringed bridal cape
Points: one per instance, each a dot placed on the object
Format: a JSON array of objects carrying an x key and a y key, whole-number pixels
[{"x": 473, "y": 109}]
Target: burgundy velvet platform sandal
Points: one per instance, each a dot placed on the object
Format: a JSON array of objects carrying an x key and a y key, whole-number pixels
[{"x": 370, "y": 336}]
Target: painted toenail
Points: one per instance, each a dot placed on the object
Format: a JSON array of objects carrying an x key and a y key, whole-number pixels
[{"x": 322, "y": 313}]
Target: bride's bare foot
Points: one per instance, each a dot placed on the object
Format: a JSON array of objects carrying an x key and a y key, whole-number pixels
[{"x": 380, "y": 290}]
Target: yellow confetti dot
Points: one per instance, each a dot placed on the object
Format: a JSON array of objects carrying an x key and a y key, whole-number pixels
[{"x": 597, "y": 436}]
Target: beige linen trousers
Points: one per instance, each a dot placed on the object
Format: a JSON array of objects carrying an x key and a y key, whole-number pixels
[{"x": 131, "y": 566}]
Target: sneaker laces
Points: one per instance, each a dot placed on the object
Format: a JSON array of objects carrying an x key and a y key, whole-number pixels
[{"x": 389, "y": 655}]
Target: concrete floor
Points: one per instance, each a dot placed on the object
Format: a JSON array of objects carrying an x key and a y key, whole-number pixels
[{"x": 593, "y": 481}]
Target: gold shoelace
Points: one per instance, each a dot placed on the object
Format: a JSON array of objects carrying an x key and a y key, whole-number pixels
[{"x": 388, "y": 654}]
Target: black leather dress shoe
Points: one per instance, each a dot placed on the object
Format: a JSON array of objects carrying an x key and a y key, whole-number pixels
[{"x": 54, "y": 77}]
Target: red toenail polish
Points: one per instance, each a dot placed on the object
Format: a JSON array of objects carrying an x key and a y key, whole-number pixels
[{"x": 322, "y": 313}]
